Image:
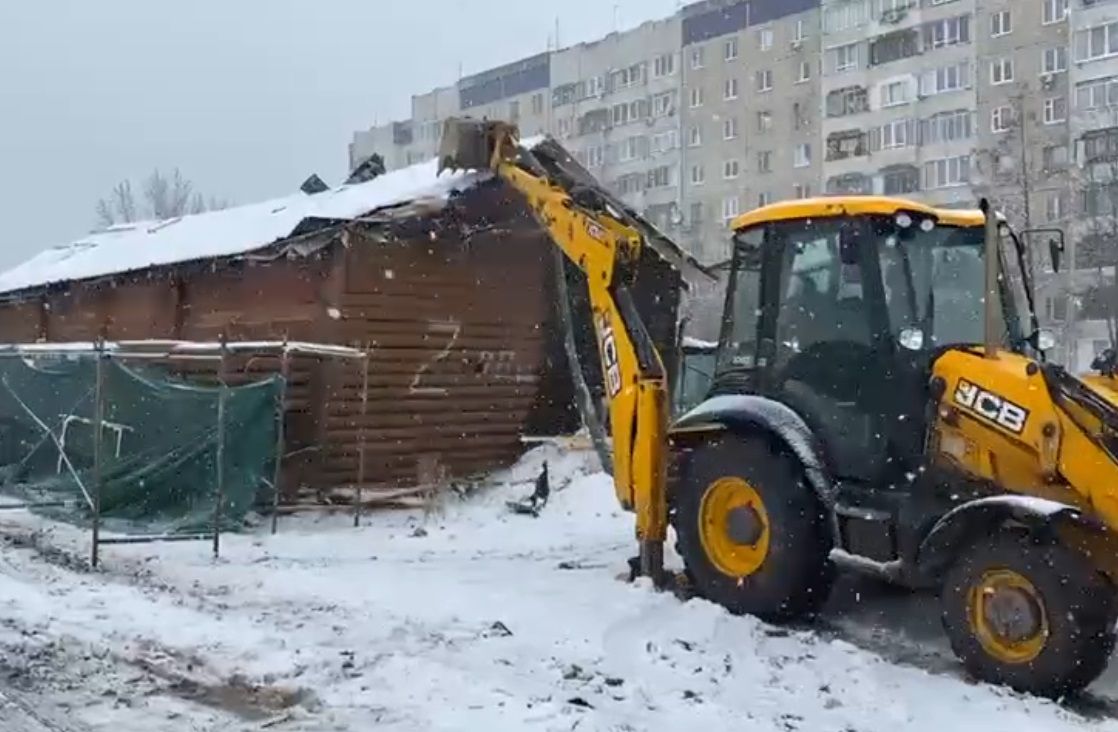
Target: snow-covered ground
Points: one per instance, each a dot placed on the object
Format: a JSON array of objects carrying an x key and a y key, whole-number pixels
[{"x": 468, "y": 619}]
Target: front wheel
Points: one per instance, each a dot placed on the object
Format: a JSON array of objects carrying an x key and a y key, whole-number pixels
[
  {"x": 751, "y": 531},
  {"x": 1035, "y": 616}
]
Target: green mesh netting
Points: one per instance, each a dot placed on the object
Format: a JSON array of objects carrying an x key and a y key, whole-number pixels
[{"x": 159, "y": 444}]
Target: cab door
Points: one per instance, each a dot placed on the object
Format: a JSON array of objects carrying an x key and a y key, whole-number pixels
[{"x": 825, "y": 339}]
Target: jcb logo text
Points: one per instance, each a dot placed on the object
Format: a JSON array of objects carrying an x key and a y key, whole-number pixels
[{"x": 991, "y": 406}]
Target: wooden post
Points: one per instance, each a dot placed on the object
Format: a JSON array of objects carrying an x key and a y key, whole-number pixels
[
  {"x": 98, "y": 420},
  {"x": 361, "y": 440},
  {"x": 219, "y": 488},
  {"x": 281, "y": 415}
]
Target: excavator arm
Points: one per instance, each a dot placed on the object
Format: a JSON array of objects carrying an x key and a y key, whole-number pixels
[{"x": 602, "y": 241}]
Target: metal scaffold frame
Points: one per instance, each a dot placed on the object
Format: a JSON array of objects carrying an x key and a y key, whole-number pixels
[{"x": 171, "y": 350}]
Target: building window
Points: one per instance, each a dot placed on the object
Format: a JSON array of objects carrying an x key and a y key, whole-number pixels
[
  {"x": 805, "y": 72},
  {"x": 730, "y": 49},
  {"x": 514, "y": 111},
  {"x": 628, "y": 76},
  {"x": 662, "y": 142},
  {"x": 662, "y": 104},
  {"x": 664, "y": 65},
  {"x": 660, "y": 177},
  {"x": 564, "y": 127},
  {"x": 698, "y": 57},
  {"x": 765, "y": 161},
  {"x": 1098, "y": 42},
  {"x": 730, "y": 169},
  {"x": 1055, "y": 157},
  {"x": 844, "y": 15},
  {"x": 1055, "y": 205},
  {"x": 945, "y": 79},
  {"x": 947, "y": 32},
  {"x": 899, "y": 180},
  {"x": 1055, "y": 60},
  {"x": 1001, "y": 24},
  {"x": 1101, "y": 145},
  {"x": 731, "y": 207},
  {"x": 595, "y": 86},
  {"x": 764, "y": 80},
  {"x": 729, "y": 128},
  {"x": 730, "y": 89},
  {"x": 801, "y": 158},
  {"x": 1097, "y": 93},
  {"x": 1001, "y": 119},
  {"x": 1055, "y": 10},
  {"x": 695, "y": 136},
  {"x": 765, "y": 38},
  {"x": 696, "y": 97},
  {"x": 894, "y": 93},
  {"x": 947, "y": 172},
  {"x": 800, "y": 119},
  {"x": 947, "y": 127},
  {"x": 764, "y": 121},
  {"x": 632, "y": 149},
  {"x": 894, "y": 47},
  {"x": 845, "y": 58},
  {"x": 763, "y": 199},
  {"x": 1001, "y": 71},
  {"x": 1055, "y": 110},
  {"x": 595, "y": 156},
  {"x": 891, "y": 135},
  {"x": 801, "y": 190},
  {"x": 698, "y": 175},
  {"x": 537, "y": 104},
  {"x": 851, "y": 100}
]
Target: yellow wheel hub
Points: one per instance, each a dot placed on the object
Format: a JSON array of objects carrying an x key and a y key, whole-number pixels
[
  {"x": 1007, "y": 616},
  {"x": 734, "y": 527}
]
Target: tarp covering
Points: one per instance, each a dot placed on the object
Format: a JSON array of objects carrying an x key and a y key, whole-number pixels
[{"x": 159, "y": 443}]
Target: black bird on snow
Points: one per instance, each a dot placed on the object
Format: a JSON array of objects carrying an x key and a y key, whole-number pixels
[{"x": 535, "y": 502}]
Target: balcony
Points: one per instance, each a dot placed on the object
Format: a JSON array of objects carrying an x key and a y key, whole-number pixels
[
  {"x": 849, "y": 184},
  {"x": 847, "y": 144},
  {"x": 847, "y": 101}
]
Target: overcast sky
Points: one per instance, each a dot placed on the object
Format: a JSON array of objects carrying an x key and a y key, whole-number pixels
[{"x": 247, "y": 97}]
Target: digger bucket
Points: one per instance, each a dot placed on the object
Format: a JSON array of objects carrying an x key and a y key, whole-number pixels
[{"x": 473, "y": 144}]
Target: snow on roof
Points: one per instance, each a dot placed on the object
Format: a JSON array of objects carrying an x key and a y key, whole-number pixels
[{"x": 140, "y": 245}]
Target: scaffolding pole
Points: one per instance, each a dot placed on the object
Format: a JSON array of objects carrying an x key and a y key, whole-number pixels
[
  {"x": 98, "y": 421},
  {"x": 281, "y": 415},
  {"x": 219, "y": 488},
  {"x": 361, "y": 441}
]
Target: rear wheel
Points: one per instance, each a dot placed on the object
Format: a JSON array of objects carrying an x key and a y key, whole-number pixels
[
  {"x": 752, "y": 533},
  {"x": 1035, "y": 616}
]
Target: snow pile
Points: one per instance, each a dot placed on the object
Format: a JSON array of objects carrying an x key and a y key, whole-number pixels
[{"x": 466, "y": 618}]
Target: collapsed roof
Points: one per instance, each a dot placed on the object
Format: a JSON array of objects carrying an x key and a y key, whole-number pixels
[{"x": 236, "y": 231}]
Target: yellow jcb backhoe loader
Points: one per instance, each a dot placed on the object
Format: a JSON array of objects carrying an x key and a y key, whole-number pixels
[{"x": 880, "y": 396}]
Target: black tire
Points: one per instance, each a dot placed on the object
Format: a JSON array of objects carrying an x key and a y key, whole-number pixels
[
  {"x": 795, "y": 577},
  {"x": 1078, "y": 601}
]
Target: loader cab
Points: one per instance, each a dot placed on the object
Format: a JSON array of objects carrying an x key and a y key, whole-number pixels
[{"x": 837, "y": 307}]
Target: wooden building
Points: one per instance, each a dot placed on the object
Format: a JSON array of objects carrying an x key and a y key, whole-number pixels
[{"x": 448, "y": 282}]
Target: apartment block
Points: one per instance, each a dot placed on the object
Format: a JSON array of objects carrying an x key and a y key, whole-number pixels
[
  {"x": 1023, "y": 108},
  {"x": 899, "y": 98},
  {"x": 615, "y": 103},
  {"x": 750, "y": 129},
  {"x": 730, "y": 104},
  {"x": 517, "y": 92}
]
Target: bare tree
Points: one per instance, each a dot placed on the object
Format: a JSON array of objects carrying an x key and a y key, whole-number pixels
[{"x": 165, "y": 197}]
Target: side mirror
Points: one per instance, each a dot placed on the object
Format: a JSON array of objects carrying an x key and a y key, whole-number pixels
[
  {"x": 1055, "y": 249},
  {"x": 1055, "y": 243},
  {"x": 848, "y": 246}
]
